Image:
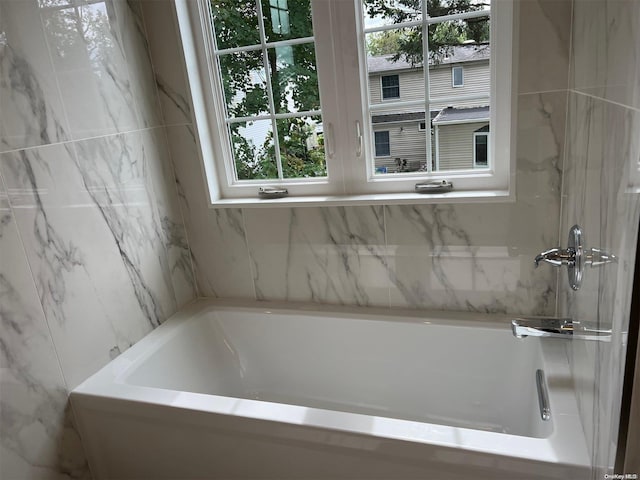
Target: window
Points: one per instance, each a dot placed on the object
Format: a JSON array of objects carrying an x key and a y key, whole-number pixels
[
  {"x": 383, "y": 146},
  {"x": 481, "y": 148},
  {"x": 390, "y": 86},
  {"x": 279, "y": 102},
  {"x": 457, "y": 78}
]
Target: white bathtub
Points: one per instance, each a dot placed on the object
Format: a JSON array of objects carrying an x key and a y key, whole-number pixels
[{"x": 263, "y": 391}]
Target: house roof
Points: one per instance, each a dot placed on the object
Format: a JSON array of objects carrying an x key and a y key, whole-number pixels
[
  {"x": 401, "y": 117},
  {"x": 453, "y": 115},
  {"x": 459, "y": 54}
]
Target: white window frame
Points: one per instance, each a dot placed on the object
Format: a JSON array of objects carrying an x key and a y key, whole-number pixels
[
  {"x": 382, "y": 97},
  {"x": 348, "y": 137},
  {"x": 453, "y": 77}
]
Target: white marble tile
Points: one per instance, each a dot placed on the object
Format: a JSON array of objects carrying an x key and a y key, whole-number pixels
[
  {"x": 37, "y": 435},
  {"x": 100, "y": 56},
  {"x": 601, "y": 194},
  {"x": 544, "y": 42},
  {"x": 605, "y": 60},
  {"x": 326, "y": 255},
  {"x": 216, "y": 236},
  {"x": 138, "y": 56},
  {"x": 95, "y": 244},
  {"x": 31, "y": 106},
  {"x": 158, "y": 159},
  {"x": 168, "y": 61},
  {"x": 470, "y": 257}
]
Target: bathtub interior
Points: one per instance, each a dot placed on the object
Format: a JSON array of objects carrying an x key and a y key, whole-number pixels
[{"x": 477, "y": 377}]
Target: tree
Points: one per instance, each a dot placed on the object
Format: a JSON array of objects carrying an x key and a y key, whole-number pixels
[
  {"x": 291, "y": 74},
  {"x": 442, "y": 37}
]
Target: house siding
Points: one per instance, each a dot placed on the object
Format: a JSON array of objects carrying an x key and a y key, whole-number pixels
[
  {"x": 456, "y": 145},
  {"x": 411, "y": 86},
  {"x": 476, "y": 77}
]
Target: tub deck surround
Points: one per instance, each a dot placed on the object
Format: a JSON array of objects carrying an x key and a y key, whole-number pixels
[{"x": 406, "y": 392}]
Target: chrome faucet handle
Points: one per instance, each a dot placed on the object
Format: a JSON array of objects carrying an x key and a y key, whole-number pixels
[
  {"x": 596, "y": 257},
  {"x": 575, "y": 257},
  {"x": 556, "y": 257}
]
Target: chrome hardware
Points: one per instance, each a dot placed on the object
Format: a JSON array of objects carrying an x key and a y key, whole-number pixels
[
  {"x": 575, "y": 257},
  {"x": 358, "y": 139},
  {"x": 556, "y": 257},
  {"x": 543, "y": 395},
  {"x": 523, "y": 327},
  {"x": 440, "y": 186},
  {"x": 272, "y": 192}
]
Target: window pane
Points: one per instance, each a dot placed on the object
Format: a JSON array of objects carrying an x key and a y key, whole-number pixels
[
  {"x": 235, "y": 23},
  {"x": 377, "y": 13},
  {"x": 286, "y": 19},
  {"x": 244, "y": 83},
  {"x": 253, "y": 150},
  {"x": 400, "y": 137},
  {"x": 390, "y": 86},
  {"x": 294, "y": 78},
  {"x": 482, "y": 151},
  {"x": 457, "y": 78},
  {"x": 302, "y": 147},
  {"x": 387, "y": 59},
  {"x": 451, "y": 7},
  {"x": 456, "y": 141},
  {"x": 382, "y": 143}
]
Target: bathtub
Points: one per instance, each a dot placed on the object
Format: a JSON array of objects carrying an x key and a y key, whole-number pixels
[{"x": 261, "y": 390}]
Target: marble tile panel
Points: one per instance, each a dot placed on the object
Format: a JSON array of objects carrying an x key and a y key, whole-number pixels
[
  {"x": 95, "y": 245},
  {"x": 601, "y": 193},
  {"x": 325, "y": 255},
  {"x": 471, "y": 257},
  {"x": 100, "y": 57},
  {"x": 30, "y": 102},
  {"x": 168, "y": 61},
  {"x": 137, "y": 53},
  {"x": 544, "y": 43},
  {"x": 540, "y": 146},
  {"x": 37, "y": 436},
  {"x": 604, "y": 61},
  {"x": 158, "y": 159},
  {"x": 216, "y": 236}
]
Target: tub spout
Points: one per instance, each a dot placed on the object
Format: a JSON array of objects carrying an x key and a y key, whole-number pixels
[{"x": 556, "y": 328}]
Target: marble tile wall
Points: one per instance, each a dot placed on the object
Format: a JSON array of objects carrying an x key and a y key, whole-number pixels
[
  {"x": 93, "y": 248},
  {"x": 463, "y": 257},
  {"x": 601, "y": 193}
]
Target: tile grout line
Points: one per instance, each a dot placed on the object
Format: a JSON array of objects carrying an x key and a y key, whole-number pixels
[{"x": 96, "y": 137}]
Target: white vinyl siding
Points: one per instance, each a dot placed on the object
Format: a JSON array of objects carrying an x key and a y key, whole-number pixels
[
  {"x": 456, "y": 145},
  {"x": 411, "y": 85},
  {"x": 476, "y": 81}
]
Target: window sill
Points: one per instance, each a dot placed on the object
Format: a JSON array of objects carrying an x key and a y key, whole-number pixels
[{"x": 480, "y": 196}]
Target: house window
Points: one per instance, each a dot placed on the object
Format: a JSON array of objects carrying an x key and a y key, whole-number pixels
[
  {"x": 422, "y": 126},
  {"x": 457, "y": 77},
  {"x": 390, "y": 86},
  {"x": 278, "y": 102},
  {"x": 382, "y": 144},
  {"x": 481, "y": 148}
]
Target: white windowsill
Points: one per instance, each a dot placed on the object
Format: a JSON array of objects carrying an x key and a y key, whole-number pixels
[{"x": 481, "y": 196}]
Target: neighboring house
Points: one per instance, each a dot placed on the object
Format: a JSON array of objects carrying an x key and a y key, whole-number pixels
[{"x": 459, "y": 128}]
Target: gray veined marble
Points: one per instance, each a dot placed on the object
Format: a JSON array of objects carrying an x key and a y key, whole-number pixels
[
  {"x": 326, "y": 255},
  {"x": 37, "y": 435},
  {"x": 467, "y": 257},
  {"x": 97, "y": 245},
  {"x": 32, "y": 111}
]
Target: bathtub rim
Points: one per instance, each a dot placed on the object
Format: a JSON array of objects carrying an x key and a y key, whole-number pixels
[{"x": 565, "y": 445}]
